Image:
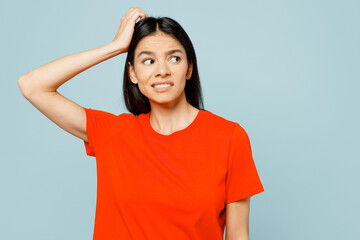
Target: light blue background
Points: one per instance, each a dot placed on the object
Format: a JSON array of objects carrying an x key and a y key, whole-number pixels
[{"x": 287, "y": 71}]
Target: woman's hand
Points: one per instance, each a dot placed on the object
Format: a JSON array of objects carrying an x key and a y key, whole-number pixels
[{"x": 126, "y": 28}]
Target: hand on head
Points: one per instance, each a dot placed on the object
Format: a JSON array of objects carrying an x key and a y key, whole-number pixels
[{"x": 126, "y": 28}]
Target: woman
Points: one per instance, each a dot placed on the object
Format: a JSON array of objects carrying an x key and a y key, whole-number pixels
[{"x": 169, "y": 169}]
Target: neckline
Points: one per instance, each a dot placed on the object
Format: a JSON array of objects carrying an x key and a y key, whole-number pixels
[{"x": 175, "y": 135}]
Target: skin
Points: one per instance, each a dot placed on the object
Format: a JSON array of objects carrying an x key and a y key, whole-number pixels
[
  {"x": 169, "y": 111},
  {"x": 237, "y": 220}
]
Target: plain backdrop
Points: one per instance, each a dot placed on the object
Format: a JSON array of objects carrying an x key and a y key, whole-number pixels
[{"x": 287, "y": 71}]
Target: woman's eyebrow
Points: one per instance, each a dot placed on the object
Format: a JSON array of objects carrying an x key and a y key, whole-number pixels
[{"x": 168, "y": 52}]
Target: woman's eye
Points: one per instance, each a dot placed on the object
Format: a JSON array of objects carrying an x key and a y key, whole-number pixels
[
  {"x": 176, "y": 57},
  {"x": 147, "y": 60}
]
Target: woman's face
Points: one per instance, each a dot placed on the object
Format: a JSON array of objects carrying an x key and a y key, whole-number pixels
[{"x": 160, "y": 58}]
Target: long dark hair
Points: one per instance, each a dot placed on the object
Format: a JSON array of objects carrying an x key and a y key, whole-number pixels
[{"x": 135, "y": 101}]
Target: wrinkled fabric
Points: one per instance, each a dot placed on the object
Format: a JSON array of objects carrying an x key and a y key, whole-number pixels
[{"x": 155, "y": 186}]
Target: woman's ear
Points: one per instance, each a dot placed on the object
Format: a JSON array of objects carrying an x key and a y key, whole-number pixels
[
  {"x": 132, "y": 73},
  {"x": 189, "y": 72}
]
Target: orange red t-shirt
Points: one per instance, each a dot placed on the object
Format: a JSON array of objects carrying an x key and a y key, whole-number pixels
[{"x": 155, "y": 186}]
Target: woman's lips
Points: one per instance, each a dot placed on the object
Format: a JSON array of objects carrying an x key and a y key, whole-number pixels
[{"x": 162, "y": 89}]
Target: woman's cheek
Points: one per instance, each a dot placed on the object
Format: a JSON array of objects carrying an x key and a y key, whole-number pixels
[{"x": 144, "y": 73}]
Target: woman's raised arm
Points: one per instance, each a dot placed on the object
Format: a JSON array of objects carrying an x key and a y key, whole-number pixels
[{"x": 40, "y": 85}]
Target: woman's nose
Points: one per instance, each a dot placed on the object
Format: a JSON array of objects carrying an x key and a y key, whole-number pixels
[{"x": 162, "y": 69}]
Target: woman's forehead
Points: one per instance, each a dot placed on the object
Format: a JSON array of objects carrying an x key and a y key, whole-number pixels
[{"x": 160, "y": 43}]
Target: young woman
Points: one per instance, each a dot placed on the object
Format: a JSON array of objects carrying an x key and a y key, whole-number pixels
[{"x": 169, "y": 169}]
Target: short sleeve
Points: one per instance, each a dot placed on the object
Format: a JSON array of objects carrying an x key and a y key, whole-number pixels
[
  {"x": 99, "y": 126},
  {"x": 242, "y": 179}
]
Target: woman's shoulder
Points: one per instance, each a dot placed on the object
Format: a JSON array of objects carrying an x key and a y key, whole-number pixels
[
  {"x": 109, "y": 118},
  {"x": 218, "y": 121}
]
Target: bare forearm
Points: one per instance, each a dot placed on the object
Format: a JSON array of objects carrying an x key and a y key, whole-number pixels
[
  {"x": 237, "y": 238},
  {"x": 51, "y": 76}
]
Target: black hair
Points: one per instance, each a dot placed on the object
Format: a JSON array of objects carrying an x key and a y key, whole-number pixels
[{"x": 135, "y": 101}]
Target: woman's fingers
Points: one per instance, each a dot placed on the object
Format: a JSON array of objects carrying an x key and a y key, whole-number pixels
[
  {"x": 136, "y": 13},
  {"x": 126, "y": 28}
]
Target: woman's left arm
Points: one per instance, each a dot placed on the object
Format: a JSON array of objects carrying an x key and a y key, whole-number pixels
[{"x": 237, "y": 220}]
